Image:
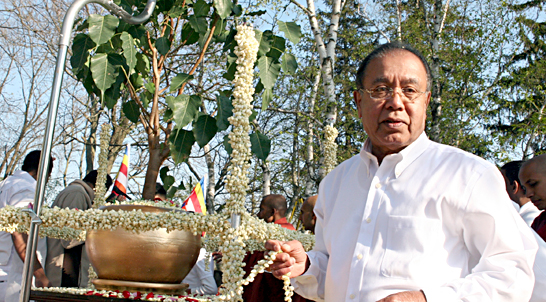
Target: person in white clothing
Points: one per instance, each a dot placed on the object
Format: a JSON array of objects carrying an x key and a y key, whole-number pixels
[
  {"x": 527, "y": 210},
  {"x": 409, "y": 219},
  {"x": 18, "y": 190},
  {"x": 201, "y": 280}
]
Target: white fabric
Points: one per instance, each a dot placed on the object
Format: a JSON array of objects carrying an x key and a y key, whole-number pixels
[
  {"x": 529, "y": 212},
  {"x": 431, "y": 217},
  {"x": 17, "y": 190},
  {"x": 200, "y": 280}
]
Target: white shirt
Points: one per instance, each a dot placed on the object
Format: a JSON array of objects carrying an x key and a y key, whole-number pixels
[
  {"x": 17, "y": 190},
  {"x": 529, "y": 212},
  {"x": 431, "y": 217},
  {"x": 202, "y": 281}
]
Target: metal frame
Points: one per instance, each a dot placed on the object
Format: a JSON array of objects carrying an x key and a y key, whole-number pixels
[{"x": 64, "y": 41}]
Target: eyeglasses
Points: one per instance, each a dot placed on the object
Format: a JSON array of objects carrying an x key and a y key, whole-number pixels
[{"x": 384, "y": 92}]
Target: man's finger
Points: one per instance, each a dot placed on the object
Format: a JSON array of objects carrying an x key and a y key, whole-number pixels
[{"x": 273, "y": 245}]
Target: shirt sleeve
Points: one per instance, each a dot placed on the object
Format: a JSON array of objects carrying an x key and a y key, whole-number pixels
[
  {"x": 208, "y": 284},
  {"x": 311, "y": 284},
  {"x": 501, "y": 248}
]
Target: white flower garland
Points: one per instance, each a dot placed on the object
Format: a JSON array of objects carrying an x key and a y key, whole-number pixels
[
  {"x": 237, "y": 179},
  {"x": 330, "y": 148}
]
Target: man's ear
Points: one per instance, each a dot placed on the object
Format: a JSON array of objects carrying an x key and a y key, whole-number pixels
[
  {"x": 358, "y": 98},
  {"x": 516, "y": 187}
]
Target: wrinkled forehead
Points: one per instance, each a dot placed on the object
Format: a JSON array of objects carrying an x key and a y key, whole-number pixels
[{"x": 398, "y": 58}]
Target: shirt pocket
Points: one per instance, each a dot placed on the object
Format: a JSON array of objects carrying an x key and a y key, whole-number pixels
[{"x": 412, "y": 244}]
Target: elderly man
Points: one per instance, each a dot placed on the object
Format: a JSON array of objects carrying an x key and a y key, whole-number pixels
[
  {"x": 532, "y": 175},
  {"x": 307, "y": 216},
  {"x": 409, "y": 219}
]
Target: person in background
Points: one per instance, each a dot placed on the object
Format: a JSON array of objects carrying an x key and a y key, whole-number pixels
[
  {"x": 18, "y": 190},
  {"x": 527, "y": 210},
  {"x": 200, "y": 279},
  {"x": 408, "y": 219},
  {"x": 532, "y": 176},
  {"x": 67, "y": 263},
  {"x": 265, "y": 287},
  {"x": 160, "y": 193},
  {"x": 307, "y": 216}
]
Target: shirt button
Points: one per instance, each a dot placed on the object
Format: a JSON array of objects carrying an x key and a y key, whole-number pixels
[
  {"x": 359, "y": 256},
  {"x": 378, "y": 185},
  {"x": 368, "y": 220},
  {"x": 352, "y": 296}
]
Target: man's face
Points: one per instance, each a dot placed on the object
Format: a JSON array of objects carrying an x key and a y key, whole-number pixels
[
  {"x": 266, "y": 213},
  {"x": 394, "y": 122},
  {"x": 306, "y": 216},
  {"x": 534, "y": 181}
]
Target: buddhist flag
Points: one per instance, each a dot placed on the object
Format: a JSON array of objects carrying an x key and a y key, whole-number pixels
[
  {"x": 196, "y": 202},
  {"x": 120, "y": 185}
]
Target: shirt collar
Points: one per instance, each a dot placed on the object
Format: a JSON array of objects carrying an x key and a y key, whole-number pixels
[{"x": 404, "y": 157}]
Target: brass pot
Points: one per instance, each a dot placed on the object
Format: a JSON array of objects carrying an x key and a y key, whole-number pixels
[{"x": 152, "y": 257}]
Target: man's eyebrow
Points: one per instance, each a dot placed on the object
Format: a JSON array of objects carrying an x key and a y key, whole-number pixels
[{"x": 411, "y": 80}]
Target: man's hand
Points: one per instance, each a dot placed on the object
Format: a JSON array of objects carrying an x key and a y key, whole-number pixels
[
  {"x": 292, "y": 258},
  {"x": 411, "y": 296},
  {"x": 40, "y": 278}
]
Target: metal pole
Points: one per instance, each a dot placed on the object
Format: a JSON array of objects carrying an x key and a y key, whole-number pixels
[{"x": 64, "y": 41}]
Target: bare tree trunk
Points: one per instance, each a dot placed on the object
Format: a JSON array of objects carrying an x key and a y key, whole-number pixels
[
  {"x": 211, "y": 191},
  {"x": 91, "y": 144},
  {"x": 294, "y": 162},
  {"x": 436, "y": 102},
  {"x": 309, "y": 159},
  {"x": 266, "y": 186}
]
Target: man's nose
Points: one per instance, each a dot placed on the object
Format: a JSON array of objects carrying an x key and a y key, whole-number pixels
[{"x": 395, "y": 102}]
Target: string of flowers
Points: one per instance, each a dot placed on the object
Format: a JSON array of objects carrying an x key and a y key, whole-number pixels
[
  {"x": 330, "y": 148},
  {"x": 100, "y": 188},
  {"x": 237, "y": 179}
]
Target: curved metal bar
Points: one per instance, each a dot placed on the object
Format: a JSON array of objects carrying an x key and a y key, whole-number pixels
[{"x": 64, "y": 41}]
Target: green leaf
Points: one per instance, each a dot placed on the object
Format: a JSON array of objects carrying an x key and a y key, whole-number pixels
[
  {"x": 229, "y": 43},
  {"x": 199, "y": 24},
  {"x": 164, "y": 5},
  {"x": 163, "y": 45},
  {"x": 129, "y": 50},
  {"x": 150, "y": 87},
  {"x": 184, "y": 109},
  {"x": 261, "y": 145},
  {"x": 136, "y": 80},
  {"x": 278, "y": 45},
  {"x": 181, "y": 142},
  {"x": 225, "y": 110},
  {"x": 112, "y": 94},
  {"x": 253, "y": 116},
  {"x": 267, "y": 96},
  {"x": 231, "y": 67},
  {"x": 163, "y": 173},
  {"x": 237, "y": 10},
  {"x": 269, "y": 71},
  {"x": 80, "y": 51},
  {"x": 201, "y": 8},
  {"x": 204, "y": 129},
  {"x": 180, "y": 79},
  {"x": 103, "y": 72},
  {"x": 291, "y": 30},
  {"x": 168, "y": 181},
  {"x": 143, "y": 64},
  {"x": 264, "y": 42},
  {"x": 223, "y": 7},
  {"x": 257, "y": 13},
  {"x": 102, "y": 28},
  {"x": 259, "y": 87},
  {"x": 289, "y": 63},
  {"x": 203, "y": 39},
  {"x": 227, "y": 145},
  {"x": 176, "y": 11},
  {"x": 189, "y": 35},
  {"x": 131, "y": 111}
]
